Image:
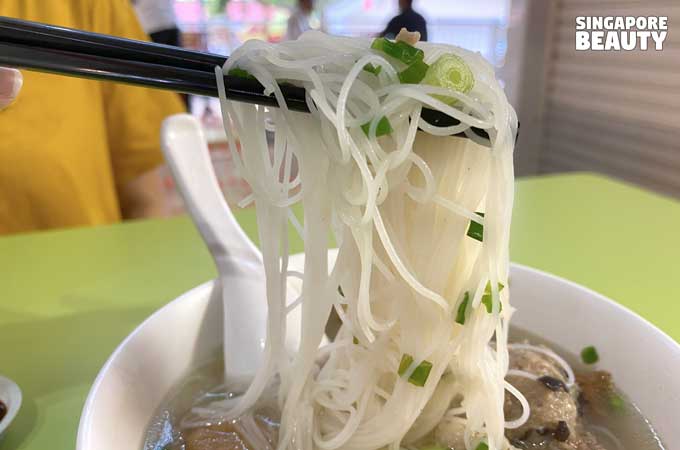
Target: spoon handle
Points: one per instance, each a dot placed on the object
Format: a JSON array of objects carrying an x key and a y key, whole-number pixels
[
  {"x": 238, "y": 261},
  {"x": 188, "y": 157}
]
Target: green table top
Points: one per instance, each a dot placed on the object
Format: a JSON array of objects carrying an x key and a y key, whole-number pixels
[{"x": 68, "y": 298}]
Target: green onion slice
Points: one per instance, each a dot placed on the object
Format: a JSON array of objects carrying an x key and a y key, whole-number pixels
[
  {"x": 399, "y": 50},
  {"x": 433, "y": 447},
  {"x": 414, "y": 73},
  {"x": 375, "y": 70},
  {"x": 617, "y": 403},
  {"x": 452, "y": 72},
  {"x": 419, "y": 375},
  {"x": 487, "y": 298},
  {"x": 589, "y": 355},
  {"x": 237, "y": 72},
  {"x": 476, "y": 229},
  {"x": 384, "y": 127},
  {"x": 460, "y": 314},
  {"x": 482, "y": 446}
]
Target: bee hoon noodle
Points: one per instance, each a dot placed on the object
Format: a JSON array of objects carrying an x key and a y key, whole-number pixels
[{"x": 422, "y": 221}]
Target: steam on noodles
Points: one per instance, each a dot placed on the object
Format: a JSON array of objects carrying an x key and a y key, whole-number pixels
[{"x": 423, "y": 310}]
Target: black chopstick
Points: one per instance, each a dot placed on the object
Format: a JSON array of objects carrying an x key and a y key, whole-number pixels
[
  {"x": 49, "y": 48},
  {"x": 144, "y": 74},
  {"x": 43, "y": 35}
]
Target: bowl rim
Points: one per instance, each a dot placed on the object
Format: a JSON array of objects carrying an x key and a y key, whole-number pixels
[
  {"x": 85, "y": 418},
  {"x": 13, "y": 402},
  {"x": 603, "y": 298}
]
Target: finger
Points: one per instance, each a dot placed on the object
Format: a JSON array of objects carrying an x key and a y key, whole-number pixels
[{"x": 11, "y": 81}]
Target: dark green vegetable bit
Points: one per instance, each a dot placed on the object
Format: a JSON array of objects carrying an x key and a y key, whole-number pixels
[
  {"x": 617, "y": 403},
  {"x": 433, "y": 447},
  {"x": 399, "y": 50},
  {"x": 482, "y": 446},
  {"x": 355, "y": 341},
  {"x": 236, "y": 72},
  {"x": 406, "y": 361},
  {"x": 414, "y": 73},
  {"x": 589, "y": 355},
  {"x": 476, "y": 229},
  {"x": 375, "y": 70},
  {"x": 460, "y": 314},
  {"x": 419, "y": 375},
  {"x": 340, "y": 291},
  {"x": 384, "y": 127},
  {"x": 488, "y": 300}
]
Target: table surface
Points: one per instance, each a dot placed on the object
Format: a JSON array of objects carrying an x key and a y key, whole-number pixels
[{"x": 68, "y": 298}]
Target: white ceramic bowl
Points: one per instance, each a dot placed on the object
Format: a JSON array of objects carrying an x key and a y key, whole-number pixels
[
  {"x": 187, "y": 331},
  {"x": 10, "y": 395}
]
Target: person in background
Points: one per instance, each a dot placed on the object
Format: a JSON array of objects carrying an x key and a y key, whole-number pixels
[
  {"x": 407, "y": 18},
  {"x": 301, "y": 19},
  {"x": 158, "y": 20},
  {"x": 77, "y": 152}
]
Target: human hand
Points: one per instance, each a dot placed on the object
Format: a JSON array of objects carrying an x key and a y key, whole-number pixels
[{"x": 10, "y": 85}]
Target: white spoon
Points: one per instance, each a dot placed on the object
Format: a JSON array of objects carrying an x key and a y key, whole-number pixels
[{"x": 238, "y": 261}]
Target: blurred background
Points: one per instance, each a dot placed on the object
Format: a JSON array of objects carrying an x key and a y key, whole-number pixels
[{"x": 616, "y": 113}]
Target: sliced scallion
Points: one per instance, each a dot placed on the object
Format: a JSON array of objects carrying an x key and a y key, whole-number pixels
[
  {"x": 617, "y": 403},
  {"x": 589, "y": 355},
  {"x": 414, "y": 73},
  {"x": 460, "y": 314},
  {"x": 476, "y": 229},
  {"x": 405, "y": 363},
  {"x": 384, "y": 127},
  {"x": 452, "y": 72},
  {"x": 355, "y": 341},
  {"x": 419, "y": 375},
  {"x": 482, "y": 446},
  {"x": 433, "y": 447},
  {"x": 375, "y": 70},
  {"x": 399, "y": 50},
  {"x": 238, "y": 72},
  {"x": 487, "y": 299}
]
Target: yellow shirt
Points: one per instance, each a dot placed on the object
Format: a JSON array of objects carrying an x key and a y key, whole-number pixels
[{"x": 67, "y": 145}]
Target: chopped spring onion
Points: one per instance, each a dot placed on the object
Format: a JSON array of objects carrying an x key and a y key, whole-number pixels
[
  {"x": 482, "y": 446},
  {"x": 384, "y": 127},
  {"x": 419, "y": 375},
  {"x": 355, "y": 341},
  {"x": 340, "y": 291},
  {"x": 617, "y": 403},
  {"x": 488, "y": 301},
  {"x": 375, "y": 70},
  {"x": 433, "y": 447},
  {"x": 589, "y": 355},
  {"x": 476, "y": 229},
  {"x": 450, "y": 71},
  {"x": 414, "y": 73},
  {"x": 399, "y": 50},
  {"x": 236, "y": 72},
  {"x": 460, "y": 314}
]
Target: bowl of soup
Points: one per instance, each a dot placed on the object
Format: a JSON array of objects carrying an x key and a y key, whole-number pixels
[{"x": 145, "y": 392}]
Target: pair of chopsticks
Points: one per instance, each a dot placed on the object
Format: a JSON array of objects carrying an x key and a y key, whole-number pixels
[
  {"x": 48, "y": 48},
  {"x": 65, "y": 51}
]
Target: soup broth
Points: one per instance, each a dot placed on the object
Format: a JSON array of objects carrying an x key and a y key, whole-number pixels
[{"x": 606, "y": 413}]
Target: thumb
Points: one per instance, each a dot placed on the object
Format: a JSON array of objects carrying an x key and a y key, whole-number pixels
[{"x": 11, "y": 81}]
